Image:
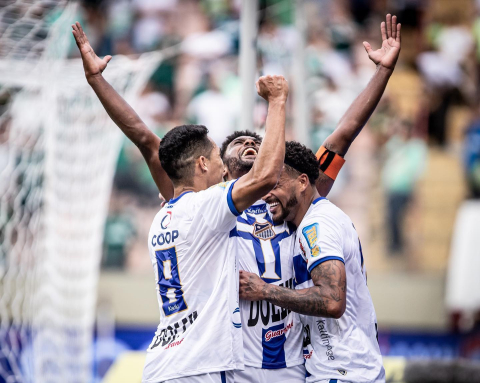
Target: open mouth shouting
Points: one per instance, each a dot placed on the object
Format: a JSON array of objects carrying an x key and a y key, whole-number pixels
[{"x": 249, "y": 153}]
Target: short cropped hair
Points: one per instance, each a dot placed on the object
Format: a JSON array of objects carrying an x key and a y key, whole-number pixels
[
  {"x": 179, "y": 149},
  {"x": 236, "y": 134},
  {"x": 302, "y": 160}
]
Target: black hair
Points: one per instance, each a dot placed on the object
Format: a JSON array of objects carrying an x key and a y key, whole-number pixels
[
  {"x": 179, "y": 149},
  {"x": 236, "y": 134},
  {"x": 300, "y": 159}
]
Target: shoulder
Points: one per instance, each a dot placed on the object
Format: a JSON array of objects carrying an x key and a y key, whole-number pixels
[{"x": 325, "y": 213}]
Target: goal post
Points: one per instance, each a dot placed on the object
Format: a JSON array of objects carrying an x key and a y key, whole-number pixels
[{"x": 58, "y": 151}]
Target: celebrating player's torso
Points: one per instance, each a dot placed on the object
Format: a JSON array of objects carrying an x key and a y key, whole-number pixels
[
  {"x": 272, "y": 335},
  {"x": 346, "y": 348},
  {"x": 197, "y": 284}
]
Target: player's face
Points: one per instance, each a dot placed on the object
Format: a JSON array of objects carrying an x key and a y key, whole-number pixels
[
  {"x": 283, "y": 199},
  {"x": 215, "y": 166},
  {"x": 241, "y": 154}
]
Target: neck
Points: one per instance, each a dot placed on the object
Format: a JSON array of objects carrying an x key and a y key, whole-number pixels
[
  {"x": 309, "y": 196},
  {"x": 198, "y": 185}
]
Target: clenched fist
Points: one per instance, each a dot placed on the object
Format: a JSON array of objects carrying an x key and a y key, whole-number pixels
[{"x": 272, "y": 88}]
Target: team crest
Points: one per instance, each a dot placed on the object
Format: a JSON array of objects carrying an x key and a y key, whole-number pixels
[
  {"x": 310, "y": 233},
  {"x": 343, "y": 372},
  {"x": 263, "y": 230}
]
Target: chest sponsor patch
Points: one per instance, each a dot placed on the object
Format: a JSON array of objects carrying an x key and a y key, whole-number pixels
[
  {"x": 310, "y": 233},
  {"x": 263, "y": 230}
]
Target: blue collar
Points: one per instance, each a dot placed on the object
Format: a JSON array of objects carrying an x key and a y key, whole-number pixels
[
  {"x": 318, "y": 199},
  {"x": 173, "y": 200}
]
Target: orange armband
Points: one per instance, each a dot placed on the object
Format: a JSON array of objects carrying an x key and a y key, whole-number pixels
[{"x": 330, "y": 162}]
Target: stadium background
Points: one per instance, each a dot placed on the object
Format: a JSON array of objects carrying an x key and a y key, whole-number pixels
[{"x": 409, "y": 183}]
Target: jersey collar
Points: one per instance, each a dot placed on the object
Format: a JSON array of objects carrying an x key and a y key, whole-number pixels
[
  {"x": 173, "y": 200},
  {"x": 314, "y": 202}
]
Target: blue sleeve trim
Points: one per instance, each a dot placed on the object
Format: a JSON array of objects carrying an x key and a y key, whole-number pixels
[
  {"x": 231, "y": 205},
  {"x": 331, "y": 258}
]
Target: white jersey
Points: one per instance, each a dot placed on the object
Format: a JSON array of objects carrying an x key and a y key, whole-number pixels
[
  {"x": 347, "y": 348},
  {"x": 272, "y": 336},
  {"x": 197, "y": 286}
]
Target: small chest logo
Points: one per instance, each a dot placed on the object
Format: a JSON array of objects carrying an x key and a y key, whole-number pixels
[
  {"x": 343, "y": 372},
  {"x": 263, "y": 230},
  {"x": 166, "y": 220}
]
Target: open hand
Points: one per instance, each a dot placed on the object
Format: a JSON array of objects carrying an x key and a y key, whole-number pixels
[
  {"x": 272, "y": 88},
  {"x": 251, "y": 286},
  {"x": 92, "y": 64},
  {"x": 387, "y": 55}
]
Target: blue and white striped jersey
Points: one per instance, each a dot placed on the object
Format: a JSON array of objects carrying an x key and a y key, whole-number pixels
[
  {"x": 347, "y": 348},
  {"x": 272, "y": 336},
  {"x": 197, "y": 287}
]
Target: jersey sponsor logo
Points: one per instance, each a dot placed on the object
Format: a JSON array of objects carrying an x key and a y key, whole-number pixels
[
  {"x": 263, "y": 231},
  {"x": 164, "y": 238},
  {"x": 171, "y": 333},
  {"x": 173, "y": 344},
  {"x": 276, "y": 333},
  {"x": 166, "y": 220},
  {"x": 310, "y": 233},
  {"x": 256, "y": 210},
  {"x": 267, "y": 312},
  {"x": 236, "y": 318},
  {"x": 307, "y": 355},
  {"x": 325, "y": 337}
]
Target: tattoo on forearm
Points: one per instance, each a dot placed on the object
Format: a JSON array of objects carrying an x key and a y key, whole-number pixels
[{"x": 330, "y": 288}]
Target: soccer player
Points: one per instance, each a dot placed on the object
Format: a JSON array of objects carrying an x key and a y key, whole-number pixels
[
  {"x": 199, "y": 337},
  {"x": 331, "y": 285}
]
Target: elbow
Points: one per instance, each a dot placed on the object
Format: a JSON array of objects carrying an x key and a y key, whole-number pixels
[{"x": 337, "y": 309}]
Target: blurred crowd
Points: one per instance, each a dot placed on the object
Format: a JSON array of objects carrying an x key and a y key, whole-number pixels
[{"x": 198, "y": 82}]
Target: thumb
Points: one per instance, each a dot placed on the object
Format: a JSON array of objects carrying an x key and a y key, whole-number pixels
[
  {"x": 367, "y": 47},
  {"x": 107, "y": 59}
]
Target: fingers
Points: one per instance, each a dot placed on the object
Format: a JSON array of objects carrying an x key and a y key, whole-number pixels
[
  {"x": 389, "y": 25},
  {"x": 394, "y": 27},
  {"x": 384, "y": 31},
  {"x": 399, "y": 35},
  {"x": 367, "y": 47}
]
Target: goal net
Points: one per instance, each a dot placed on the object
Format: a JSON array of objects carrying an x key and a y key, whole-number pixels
[{"x": 58, "y": 150}]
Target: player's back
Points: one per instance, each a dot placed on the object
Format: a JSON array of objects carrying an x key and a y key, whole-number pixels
[
  {"x": 345, "y": 348},
  {"x": 196, "y": 276}
]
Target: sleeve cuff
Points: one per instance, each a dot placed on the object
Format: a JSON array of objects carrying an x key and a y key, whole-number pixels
[
  {"x": 231, "y": 205},
  {"x": 324, "y": 259}
]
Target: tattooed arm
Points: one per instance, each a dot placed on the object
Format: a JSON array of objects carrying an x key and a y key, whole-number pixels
[{"x": 326, "y": 299}]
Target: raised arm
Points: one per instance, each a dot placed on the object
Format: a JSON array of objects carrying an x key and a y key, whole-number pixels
[
  {"x": 327, "y": 298},
  {"x": 121, "y": 113},
  {"x": 357, "y": 115},
  {"x": 264, "y": 174}
]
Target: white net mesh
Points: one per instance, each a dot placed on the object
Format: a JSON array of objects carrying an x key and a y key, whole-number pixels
[{"x": 58, "y": 150}]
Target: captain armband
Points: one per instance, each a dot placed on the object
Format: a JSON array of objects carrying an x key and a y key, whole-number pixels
[{"x": 330, "y": 162}]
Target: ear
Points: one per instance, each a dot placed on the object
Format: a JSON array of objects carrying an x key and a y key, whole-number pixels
[
  {"x": 225, "y": 172},
  {"x": 203, "y": 163},
  {"x": 303, "y": 181}
]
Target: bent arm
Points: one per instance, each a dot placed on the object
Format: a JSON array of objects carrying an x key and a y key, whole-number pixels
[
  {"x": 326, "y": 299},
  {"x": 264, "y": 174},
  {"x": 134, "y": 128}
]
